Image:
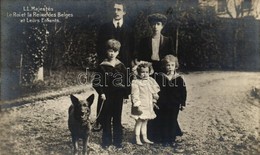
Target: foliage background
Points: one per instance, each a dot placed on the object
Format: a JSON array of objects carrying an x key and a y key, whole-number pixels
[{"x": 205, "y": 42}]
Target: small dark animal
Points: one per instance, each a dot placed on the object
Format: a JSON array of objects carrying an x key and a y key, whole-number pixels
[{"x": 79, "y": 122}]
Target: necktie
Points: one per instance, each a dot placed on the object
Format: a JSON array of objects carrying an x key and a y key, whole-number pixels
[
  {"x": 117, "y": 25},
  {"x": 117, "y": 31}
]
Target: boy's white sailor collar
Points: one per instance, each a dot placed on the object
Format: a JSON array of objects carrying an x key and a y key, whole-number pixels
[
  {"x": 175, "y": 76},
  {"x": 107, "y": 63},
  {"x": 121, "y": 21}
]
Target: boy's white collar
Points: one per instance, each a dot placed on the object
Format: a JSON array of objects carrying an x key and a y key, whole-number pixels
[
  {"x": 106, "y": 62},
  {"x": 172, "y": 76}
]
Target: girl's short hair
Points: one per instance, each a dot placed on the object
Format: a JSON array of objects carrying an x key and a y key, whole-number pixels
[
  {"x": 170, "y": 58},
  {"x": 144, "y": 65},
  {"x": 113, "y": 44},
  {"x": 157, "y": 17}
]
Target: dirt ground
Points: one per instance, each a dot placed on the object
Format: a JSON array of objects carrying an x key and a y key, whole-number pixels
[{"x": 221, "y": 117}]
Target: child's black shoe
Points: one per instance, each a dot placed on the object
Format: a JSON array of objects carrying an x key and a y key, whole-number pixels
[
  {"x": 118, "y": 145},
  {"x": 177, "y": 148},
  {"x": 96, "y": 127}
]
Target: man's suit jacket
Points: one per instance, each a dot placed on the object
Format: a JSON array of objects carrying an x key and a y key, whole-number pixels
[
  {"x": 145, "y": 50},
  {"x": 124, "y": 35}
]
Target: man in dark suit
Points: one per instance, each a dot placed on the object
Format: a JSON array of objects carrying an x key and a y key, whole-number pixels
[{"x": 119, "y": 30}]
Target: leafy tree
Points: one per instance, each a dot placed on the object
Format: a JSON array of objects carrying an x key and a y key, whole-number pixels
[
  {"x": 196, "y": 39},
  {"x": 33, "y": 54}
]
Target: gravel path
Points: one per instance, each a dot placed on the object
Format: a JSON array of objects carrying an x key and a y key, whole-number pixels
[{"x": 222, "y": 117}]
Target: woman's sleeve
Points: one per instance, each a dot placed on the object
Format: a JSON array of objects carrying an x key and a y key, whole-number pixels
[
  {"x": 172, "y": 46},
  {"x": 140, "y": 50},
  {"x": 135, "y": 94}
]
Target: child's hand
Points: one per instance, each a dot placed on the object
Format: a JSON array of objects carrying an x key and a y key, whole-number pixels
[
  {"x": 182, "y": 108},
  {"x": 125, "y": 101},
  {"x": 103, "y": 96},
  {"x": 155, "y": 96},
  {"x": 139, "y": 111}
]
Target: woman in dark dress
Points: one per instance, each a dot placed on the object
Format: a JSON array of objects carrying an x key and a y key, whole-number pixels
[{"x": 156, "y": 46}]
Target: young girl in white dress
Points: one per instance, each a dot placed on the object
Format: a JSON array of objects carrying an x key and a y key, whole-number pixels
[{"x": 144, "y": 95}]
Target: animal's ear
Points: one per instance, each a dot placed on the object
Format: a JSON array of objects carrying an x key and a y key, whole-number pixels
[
  {"x": 90, "y": 99},
  {"x": 74, "y": 100}
]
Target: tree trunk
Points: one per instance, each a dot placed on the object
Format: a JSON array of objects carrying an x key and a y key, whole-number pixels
[
  {"x": 235, "y": 48},
  {"x": 39, "y": 75},
  {"x": 177, "y": 41}
]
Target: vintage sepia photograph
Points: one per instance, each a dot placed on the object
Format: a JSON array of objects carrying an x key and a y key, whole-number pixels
[{"x": 130, "y": 77}]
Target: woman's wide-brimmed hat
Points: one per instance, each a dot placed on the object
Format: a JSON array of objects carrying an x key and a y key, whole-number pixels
[{"x": 157, "y": 17}]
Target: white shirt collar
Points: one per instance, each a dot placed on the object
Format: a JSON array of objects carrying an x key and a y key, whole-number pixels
[
  {"x": 107, "y": 63},
  {"x": 120, "y": 22}
]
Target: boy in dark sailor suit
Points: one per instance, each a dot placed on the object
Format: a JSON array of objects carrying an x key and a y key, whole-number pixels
[
  {"x": 172, "y": 98},
  {"x": 110, "y": 84}
]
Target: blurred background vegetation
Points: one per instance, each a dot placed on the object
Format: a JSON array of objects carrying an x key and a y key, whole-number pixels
[{"x": 204, "y": 41}]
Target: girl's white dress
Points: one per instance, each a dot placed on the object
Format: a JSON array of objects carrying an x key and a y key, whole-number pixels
[{"x": 142, "y": 96}]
